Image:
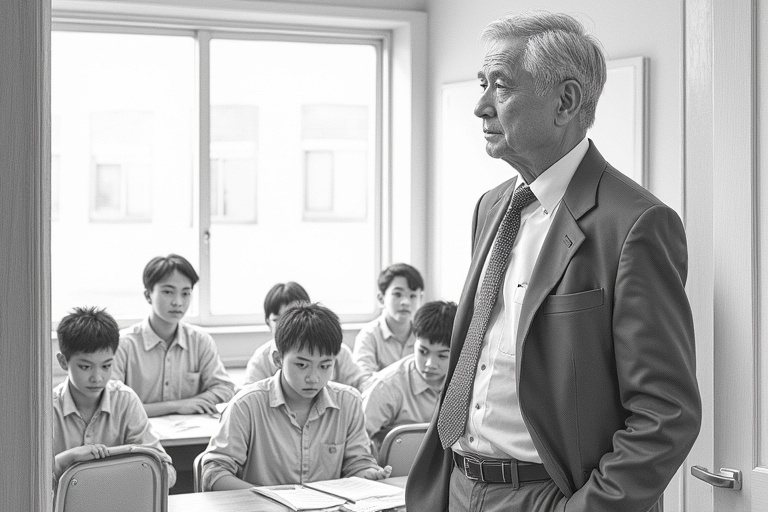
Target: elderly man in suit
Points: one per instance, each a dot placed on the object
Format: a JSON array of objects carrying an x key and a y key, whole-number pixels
[{"x": 572, "y": 383}]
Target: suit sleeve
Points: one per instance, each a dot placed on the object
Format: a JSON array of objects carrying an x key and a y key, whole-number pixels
[{"x": 656, "y": 370}]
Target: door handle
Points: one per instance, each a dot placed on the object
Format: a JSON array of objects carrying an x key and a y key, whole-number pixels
[{"x": 727, "y": 478}]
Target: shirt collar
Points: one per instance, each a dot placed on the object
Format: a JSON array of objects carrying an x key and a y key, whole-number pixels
[
  {"x": 549, "y": 188},
  {"x": 151, "y": 339},
  {"x": 386, "y": 332},
  {"x": 68, "y": 403},
  {"x": 323, "y": 400}
]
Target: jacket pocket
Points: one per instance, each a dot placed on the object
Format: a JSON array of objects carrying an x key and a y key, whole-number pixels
[{"x": 572, "y": 302}]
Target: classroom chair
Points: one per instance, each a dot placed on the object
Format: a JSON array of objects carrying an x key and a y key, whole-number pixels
[
  {"x": 399, "y": 447},
  {"x": 197, "y": 472},
  {"x": 132, "y": 478}
]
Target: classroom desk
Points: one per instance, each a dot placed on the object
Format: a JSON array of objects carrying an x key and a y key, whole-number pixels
[
  {"x": 184, "y": 436},
  {"x": 185, "y": 429},
  {"x": 237, "y": 501}
]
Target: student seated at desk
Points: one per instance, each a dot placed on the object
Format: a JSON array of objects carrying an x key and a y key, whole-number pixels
[
  {"x": 262, "y": 362},
  {"x": 295, "y": 426},
  {"x": 390, "y": 338},
  {"x": 172, "y": 366},
  {"x": 92, "y": 413},
  {"x": 407, "y": 390}
]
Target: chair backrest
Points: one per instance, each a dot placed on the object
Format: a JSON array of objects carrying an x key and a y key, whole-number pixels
[
  {"x": 132, "y": 478},
  {"x": 197, "y": 472},
  {"x": 399, "y": 447}
]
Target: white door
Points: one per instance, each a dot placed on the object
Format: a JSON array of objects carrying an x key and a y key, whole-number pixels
[{"x": 726, "y": 212}]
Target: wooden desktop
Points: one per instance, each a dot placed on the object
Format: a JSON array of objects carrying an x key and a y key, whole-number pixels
[{"x": 237, "y": 501}]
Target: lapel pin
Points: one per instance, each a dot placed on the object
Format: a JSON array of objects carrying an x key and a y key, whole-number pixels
[{"x": 567, "y": 241}]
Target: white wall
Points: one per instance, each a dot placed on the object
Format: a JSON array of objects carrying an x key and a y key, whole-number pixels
[{"x": 651, "y": 28}]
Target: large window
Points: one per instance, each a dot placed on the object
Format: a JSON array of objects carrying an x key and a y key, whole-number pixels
[{"x": 255, "y": 156}]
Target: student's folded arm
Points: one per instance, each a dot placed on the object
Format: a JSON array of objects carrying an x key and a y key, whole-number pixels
[
  {"x": 364, "y": 353},
  {"x": 349, "y": 372},
  {"x": 379, "y": 404},
  {"x": 216, "y": 384},
  {"x": 228, "y": 449},
  {"x": 357, "y": 451}
]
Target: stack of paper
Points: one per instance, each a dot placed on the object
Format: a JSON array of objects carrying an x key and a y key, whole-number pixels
[
  {"x": 297, "y": 497},
  {"x": 351, "y": 494}
]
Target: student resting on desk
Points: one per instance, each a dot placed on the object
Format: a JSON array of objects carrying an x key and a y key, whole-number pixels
[
  {"x": 262, "y": 363},
  {"x": 407, "y": 390},
  {"x": 295, "y": 426},
  {"x": 389, "y": 338},
  {"x": 92, "y": 413},
  {"x": 172, "y": 366}
]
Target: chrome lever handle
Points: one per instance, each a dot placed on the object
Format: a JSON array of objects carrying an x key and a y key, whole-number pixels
[{"x": 727, "y": 478}]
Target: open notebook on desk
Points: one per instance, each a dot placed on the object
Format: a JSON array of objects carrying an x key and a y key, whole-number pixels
[
  {"x": 175, "y": 429},
  {"x": 351, "y": 494}
]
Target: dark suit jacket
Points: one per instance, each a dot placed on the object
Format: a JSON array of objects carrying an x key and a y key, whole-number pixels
[{"x": 605, "y": 351}]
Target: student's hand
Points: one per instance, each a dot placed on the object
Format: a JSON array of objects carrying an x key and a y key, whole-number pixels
[
  {"x": 195, "y": 405},
  {"x": 376, "y": 473},
  {"x": 89, "y": 452}
]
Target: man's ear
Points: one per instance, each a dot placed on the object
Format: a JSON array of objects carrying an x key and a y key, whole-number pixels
[
  {"x": 62, "y": 361},
  {"x": 146, "y": 296},
  {"x": 277, "y": 359},
  {"x": 569, "y": 105},
  {"x": 380, "y": 299}
]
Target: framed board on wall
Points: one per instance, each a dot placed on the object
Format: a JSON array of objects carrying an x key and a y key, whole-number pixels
[{"x": 464, "y": 170}]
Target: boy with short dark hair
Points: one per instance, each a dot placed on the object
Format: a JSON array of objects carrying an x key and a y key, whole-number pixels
[
  {"x": 261, "y": 365},
  {"x": 389, "y": 338},
  {"x": 92, "y": 413},
  {"x": 296, "y": 426},
  {"x": 407, "y": 391},
  {"x": 172, "y": 366}
]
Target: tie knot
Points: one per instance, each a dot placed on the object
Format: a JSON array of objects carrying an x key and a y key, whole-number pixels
[{"x": 522, "y": 197}]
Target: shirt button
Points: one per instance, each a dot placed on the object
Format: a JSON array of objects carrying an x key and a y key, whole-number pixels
[
  {"x": 482, "y": 367},
  {"x": 167, "y": 383},
  {"x": 471, "y": 439},
  {"x": 477, "y": 406}
]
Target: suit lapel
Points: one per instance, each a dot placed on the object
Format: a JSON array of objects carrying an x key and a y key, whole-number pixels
[
  {"x": 563, "y": 240},
  {"x": 489, "y": 221}
]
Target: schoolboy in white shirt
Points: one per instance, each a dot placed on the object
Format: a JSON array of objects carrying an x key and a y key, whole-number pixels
[
  {"x": 407, "y": 391},
  {"x": 173, "y": 366},
  {"x": 295, "y": 426}
]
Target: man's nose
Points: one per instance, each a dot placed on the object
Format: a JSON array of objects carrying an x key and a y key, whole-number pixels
[{"x": 484, "y": 106}]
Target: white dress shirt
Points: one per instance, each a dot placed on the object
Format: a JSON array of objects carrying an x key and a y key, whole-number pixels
[{"x": 495, "y": 425}]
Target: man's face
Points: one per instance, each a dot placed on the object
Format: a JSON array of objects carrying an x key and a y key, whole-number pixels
[{"x": 519, "y": 125}]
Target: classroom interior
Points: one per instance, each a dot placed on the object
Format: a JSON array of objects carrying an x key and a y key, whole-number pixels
[{"x": 705, "y": 104}]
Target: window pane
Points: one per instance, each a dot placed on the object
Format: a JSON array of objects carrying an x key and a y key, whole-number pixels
[
  {"x": 313, "y": 100},
  {"x": 124, "y": 108}
]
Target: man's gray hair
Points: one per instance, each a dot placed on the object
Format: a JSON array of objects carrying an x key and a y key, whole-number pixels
[{"x": 557, "y": 48}]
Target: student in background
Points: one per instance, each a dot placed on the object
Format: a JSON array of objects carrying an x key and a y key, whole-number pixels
[
  {"x": 262, "y": 363},
  {"x": 172, "y": 366},
  {"x": 296, "y": 426},
  {"x": 407, "y": 390},
  {"x": 389, "y": 338},
  {"x": 92, "y": 413}
]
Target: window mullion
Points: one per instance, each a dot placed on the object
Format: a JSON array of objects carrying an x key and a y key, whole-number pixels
[{"x": 204, "y": 170}]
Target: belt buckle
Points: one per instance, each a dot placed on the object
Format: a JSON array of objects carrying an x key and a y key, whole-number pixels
[{"x": 467, "y": 461}]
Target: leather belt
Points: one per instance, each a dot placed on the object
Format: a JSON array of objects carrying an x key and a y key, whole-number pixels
[{"x": 495, "y": 471}]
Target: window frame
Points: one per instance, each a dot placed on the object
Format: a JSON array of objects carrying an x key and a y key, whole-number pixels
[{"x": 401, "y": 47}]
